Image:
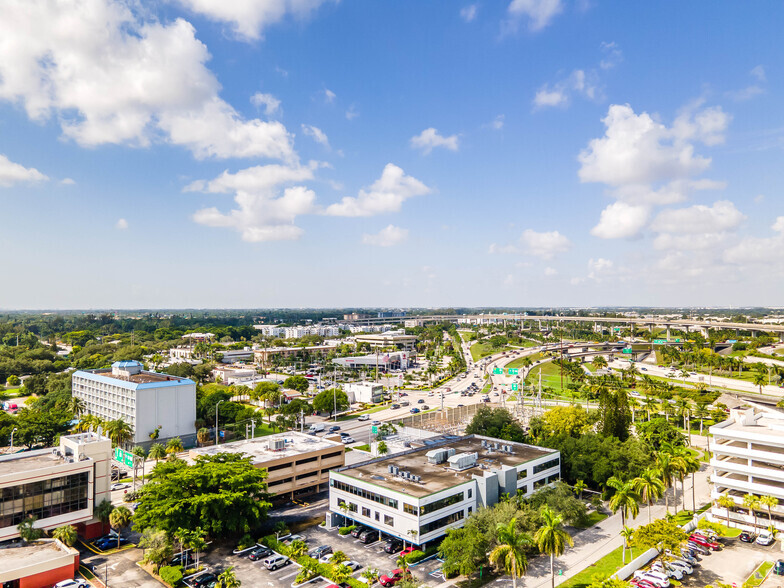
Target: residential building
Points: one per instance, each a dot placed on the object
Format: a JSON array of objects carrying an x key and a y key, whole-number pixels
[
  {"x": 263, "y": 355},
  {"x": 420, "y": 494},
  {"x": 748, "y": 458},
  {"x": 296, "y": 464},
  {"x": 38, "y": 565},
  {"x": 181, "y": 353},
  {"x": 201, "y": 337},
  {"x": 233, "y": 355},
  {"x": 366, "y": 392},
  {"x": 270, "y": 330},
  {"x": 59, "y": 486},
  {"x": 389, "y": 339},
  {"x": 145, "y": 400}
]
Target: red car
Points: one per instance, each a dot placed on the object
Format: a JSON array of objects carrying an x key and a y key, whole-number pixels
[
  {"x": 393, "y": 578},
  {"x": 407, "y": 550},
  {"x": 640, "y": 583},
  {"x": 705, "y": 542}
]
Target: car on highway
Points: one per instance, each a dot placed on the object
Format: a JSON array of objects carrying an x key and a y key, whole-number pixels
[
  {"x": 334, "y": 428},
  {"x": 120, "y": 486},
  {"x": 421, "y": 401},
  {"x": 414, "y": 410},
  {"x": 260, "y": 553},
  {"x": 276, "y": 561},
  {"x": 425, "y": 407},
  {"x": 363, "y": 417},
  {"x": 405, "y": 403},
  {"x": 375, "y": 423},
  {"x": 347, "y": 439}
]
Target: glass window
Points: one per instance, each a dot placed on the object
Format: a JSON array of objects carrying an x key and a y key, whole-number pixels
[
  {"x": 443, "y": 503},
  {"x": 522, "y": 474},
  {"x": 45, "y": 499},
  {"x": 388, "y": 520},
  {"x": 440, "y": 523},
  {"x": 367, "y": 494},
  {"x": 546, "y": 465},
  {"x": 410, "y": 509},
  {"x": 365, "y": 512}
]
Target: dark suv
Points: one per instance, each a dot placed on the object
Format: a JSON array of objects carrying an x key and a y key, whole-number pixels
[
  {"x": 369, "y": 536},
  {"x": 356, "y": 531},
  {"x": 393, "y": 546},
  {"x": 320, "y": 551}
]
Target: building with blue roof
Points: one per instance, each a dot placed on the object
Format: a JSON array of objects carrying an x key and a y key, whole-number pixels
[{"x": 145, "y": 400}]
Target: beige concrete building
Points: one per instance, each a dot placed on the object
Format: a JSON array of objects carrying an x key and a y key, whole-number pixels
[
  {"x": 39, "y": 565},
  {"x": 296, "y": 463},
  {"x": 388, "y": 339},
  {"x": 58, "y": 486}
]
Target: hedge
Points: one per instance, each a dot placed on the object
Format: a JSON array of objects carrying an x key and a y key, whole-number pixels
[
  {"x": 322, "y": 569},
  {"x": 171, "y": 574},
  {"x": 346, "y": 530}
]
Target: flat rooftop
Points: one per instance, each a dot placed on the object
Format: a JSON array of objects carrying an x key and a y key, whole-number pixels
[
  {"x": 258, "y": 449},
  {"x": 15, "y": 463},
  {"x": 15, "y": 558},
  {"x": 140, "y": 378},
  {"x": 770, "y": 424},
  {"x": 438, "y": 477}
]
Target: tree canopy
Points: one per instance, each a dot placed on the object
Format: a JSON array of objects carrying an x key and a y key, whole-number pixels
[
  {"x": 496, "y": 422},
  {"x": 326, "y": 400}
]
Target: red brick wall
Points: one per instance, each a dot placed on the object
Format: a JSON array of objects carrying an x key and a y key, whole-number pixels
[
  {"x": 47, "y": 579},
  {"x": 92, "y": 530}
]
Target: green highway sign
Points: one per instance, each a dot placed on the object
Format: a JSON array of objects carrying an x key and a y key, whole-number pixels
[
  {"x": 514, "y": 387},
  {"x": 659, "y": 341},
  {"x": 513, "y": 371},
  {"x": 374, "y": 430},
  {"x": 626, "y": 350},
  {"x": 497, "y": 371},
  {"x": 677, "y": 340},
  {"x": 125, "y": 457}
]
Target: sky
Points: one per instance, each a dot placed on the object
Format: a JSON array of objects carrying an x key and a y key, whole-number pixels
[{"x": 325, "y": 153}]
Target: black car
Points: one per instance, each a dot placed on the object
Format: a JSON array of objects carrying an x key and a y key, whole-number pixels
[
  {"x": 259, "y": 553},
  {"x": 369, "y": 536},
  {"x": 334, "y": 428},
  {"x": 184, "y": 559},
  {"x": 393, "y": 546},
  {"x": 205, "y": 581},
  {"x": 778, "y": 568},
  {"x": 395, "y": 406},
  {"x": 320, "y": 551},
  {"x": 421, "y": 401},
  {"x": 747, "y": 537},
  {"x": 356, "y": 531}
]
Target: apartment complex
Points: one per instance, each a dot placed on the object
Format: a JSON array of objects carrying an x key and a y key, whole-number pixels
[
  {"x": 296, "y": 463},
  {"x": 58, "y": 486},
  {"x": 748, "y": 458},
  {"x": 419, "y": 494},
  {"x": 145, "y": 400}
]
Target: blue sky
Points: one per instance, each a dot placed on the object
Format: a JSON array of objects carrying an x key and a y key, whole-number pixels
[{"x": 256, "y": 153}]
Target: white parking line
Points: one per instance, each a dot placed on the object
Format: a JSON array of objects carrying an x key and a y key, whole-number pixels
[{"x": 289, "y": 576}]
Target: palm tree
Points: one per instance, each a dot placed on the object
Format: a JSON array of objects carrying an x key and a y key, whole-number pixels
[
  {"x": 298, "y": 548},
  {"x": 76, "y": 406},
  {"x": 626, "y": 499},
  {"x": 769, "y": 502},
  {"x": 340, "y": 574},
  {"x": 157, "y": 451},
  {"x": 119, "y": 431},
  {"x": 66, "y": 534},
  {"x": 627, "y": 533},
  {"x": 103, "y": 511},
  {"x": 691, "y": 465},
  {"x": 139, "y": 453},
  {"x": 759, "y": 379},
  {"x": 371, "y": 575},
  {"x": 579, "y": 487},
  {"x": 228, "y": 579},
  {"x": 120, "y": 518},
  {"x": 197, "y": 543},
  {"x": 338, "y": 557},
  {"x": 203, "y": 436},
  {"x": 666, "y": 470},
  {"x": 551, "y": 538},
  {"x": 727, "y": 503},
  {"x": 650, "y": 487},
  {"x": 174, "y": 446},
  {"x": 751, "y": 502},
  {"x": 509, "y": 554}
]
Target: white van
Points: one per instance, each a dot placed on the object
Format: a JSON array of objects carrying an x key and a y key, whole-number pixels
[{"x": 317, "y": 427}]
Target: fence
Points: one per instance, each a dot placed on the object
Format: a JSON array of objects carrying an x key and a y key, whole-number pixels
[{"x": 636, "y": 564}]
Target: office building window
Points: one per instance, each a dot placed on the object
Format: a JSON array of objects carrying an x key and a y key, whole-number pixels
[
  {"x": 546, "y": 465},
  {"x": 44, "y": 499},
  {"x": 365, "y": 512},
  {"x": 522, "y": 474},
  {"x": 440, "y": 523},
  {"x": 388, "y": 520},
  {"x": 443, "y": 503},
  {"x": 378, "y": 516},
  {"x": 367, "y": 494},
  {"x": 470, "y": 492},
  {"x": 410, "y": 509}
]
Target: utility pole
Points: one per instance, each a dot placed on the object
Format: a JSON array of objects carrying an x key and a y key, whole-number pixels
[
  {"x": 217, "y": 432},
  {"x": 253, "y": 428}
]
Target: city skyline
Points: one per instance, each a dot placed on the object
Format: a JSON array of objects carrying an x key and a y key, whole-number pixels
[{"x": 319, "y": 154}]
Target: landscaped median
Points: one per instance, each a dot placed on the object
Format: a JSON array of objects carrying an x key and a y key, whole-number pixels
[
  {"x": 760, "y": 574},
  {"x": 311, "y": 566}
]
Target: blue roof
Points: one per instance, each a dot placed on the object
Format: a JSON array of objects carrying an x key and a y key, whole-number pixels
[{"x": 127, "y": 363}]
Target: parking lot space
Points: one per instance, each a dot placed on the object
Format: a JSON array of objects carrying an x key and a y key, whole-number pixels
[{"x": 733, "y": 564}]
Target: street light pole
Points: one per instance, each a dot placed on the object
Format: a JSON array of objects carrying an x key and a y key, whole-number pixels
[
  {"x": 12, "y": 437},
  {"x": 217, "y": 433}
]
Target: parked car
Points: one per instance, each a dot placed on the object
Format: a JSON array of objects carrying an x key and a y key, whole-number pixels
[
  {"x": 276, "y": 561},
  {"x": 698, "y": 548},
  {"x": 667, "y": 570},
  {"x": 357, "y": 531},
  {"x": 705, "y": 542},
  {"x": 393, "y": 546},
  {"x": 111, "y": 543},
  {"x": 407, "y": 550},
  {"x": 72, "y": 584},
  {"x": 369, "y": 536},
  {"x": 658, "y": 580},
  {"x": 363, "y": 417},
  {"x": 640, "y": 583},
  {"x": 352, "y": 565},
  {"x": 765, "y": 538},
  {"x": 747, "y": 537},
  {"x": 291, "y": 538},
  {"x": 392, "y": 578},
  {"x": 205, "y": 581},
  {"x": 320, "y": 551},
  {"x": 184, "y": 559},
  {"x": 681, "y": 565},
  {"x": 260, "y": 553},
  {"x": 326, "y": 558}
]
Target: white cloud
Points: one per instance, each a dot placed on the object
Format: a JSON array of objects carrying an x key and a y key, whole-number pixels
[
  {"x": 352, "y": 113},
  {"x": 505, "y": 249},
  {"x": 546, "y": 244},
  {"x": 429, "y": 139},
  {"x": 102, "y": 76},
  {"x": 316, "y": 134},
  {"x": 12, "y": 173},
  {"x": 468, "y": 13},
  {"x": 747, "y": 93},
  {"x": 329, "y": 96},
  {"x": 249, "y": 18},
  {"x": 550, "y": 271},
  {"x": 621, "y": 221},
  {"x": 386, "y": 237},
  {"x": 498, "y": 123},
  {"x": 265, "y": 211},
  {"x": 68, "y": 181},
  {"x": 540, "y": 13},
  {"x": 268, "y": 101},
  {"x": 121, "y": 224},
  {"x": 758, "y": 72},
  {"x": 759, "y": 198},
  {"x": 600, "y": 265},
  {"x": 612, "y": 55},
  {"x": 386, "y": 194},
  {"x": 721, "y": 217},
  {"x": 767, "y": 251},
  {"x": 559, "y": 94},
  {"x": 550, "y": 97}
]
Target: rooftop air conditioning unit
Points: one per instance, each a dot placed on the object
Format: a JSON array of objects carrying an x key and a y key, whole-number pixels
[
  {"x": 391, "y": 469},
  {"x": 462, "y": 461}
]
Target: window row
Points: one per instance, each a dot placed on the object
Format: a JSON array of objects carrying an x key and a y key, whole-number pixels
[
  {"x": 546, "y": 465},
  {"x": 44, "y": 499},
  {"x": 440, "y": 523},
  {"x": 443, "y": 503},
  {"x": 362, "y": 493}
]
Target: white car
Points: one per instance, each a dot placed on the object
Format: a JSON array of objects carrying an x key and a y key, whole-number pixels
[
  {"x": 72, "y": 584},
  {"x": 654, "y": 578},
  {"x": 352, "y": 565},
  {"x": 765, "y": 538},
  {"x": 681, "y": 565},
  {"x": 347, "y": 439},
  {"x": 364, "y": 417},
  {"x": 667, "y": 570},
  {"x": 326, "y": 558},
  {"x": 120, "y": 486}
]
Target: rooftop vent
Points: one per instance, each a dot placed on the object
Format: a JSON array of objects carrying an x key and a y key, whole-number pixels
[
  {"x": 440, "y": 455},
  {"x": 462, "y": 461},
  {"x": 277, "y": 445}
]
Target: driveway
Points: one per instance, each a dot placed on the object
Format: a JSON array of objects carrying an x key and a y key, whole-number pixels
[{"x": 733, "y": 564}]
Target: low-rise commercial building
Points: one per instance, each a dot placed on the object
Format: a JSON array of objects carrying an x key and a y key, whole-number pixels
[
  {"x": 39, "y": 565},
  {"x": 366, "y": 392},
  {"x": 420, "y": 494},
  {"x": 145, "y": 400},
  {"x": 264, "y": 355},
  {"x": 396, "y": 360},
  {"x": 748, "y": 458},
  {"x": 59, "y": 486},
  {"x": 233, "y": 374},
  {"x": 389, "y": 339},
  {"x": 296, "y": 464}
]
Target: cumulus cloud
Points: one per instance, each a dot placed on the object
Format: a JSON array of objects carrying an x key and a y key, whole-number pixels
[
  {"x": 721, "y": 217},
  {"x": 386, "y": 237},
  {"x": 468, "y": 13},
  {"x": 539, "y": 13},
  {"x": 386, "y": 194},
  {"x": 121, "y": 224},
  {"x": 559, "y": 94},
  {"x": 547, "y": 96},
  {"x": 316, "y": 134},
  {"x": 505, "y": 249},
  {"x": 13, "y": 173},
  {"x": 270, "y": 104},
  {"x": 102, "y": 77},
  {"x": 612, "y": 55},
  {"x": 621, "y": 221},
  {"x": 68, "y": 181},
  {"x": 429, "y": 139},
  {"x": 249, "y": 18},
  {"x": 759, "y": 250},
  {"x": 329, "y": 96},
  {"x": 267, "y": 203},
  {"x": 546, "y": 244}
]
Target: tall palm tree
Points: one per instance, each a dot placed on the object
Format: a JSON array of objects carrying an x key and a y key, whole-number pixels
[
  {"x": 752, "y": 502},
  {"x": 139, "y": 454},
  {"x": 157, "y": 451},
  {"x": 66, "y": 534},
  {"x": 174, "y": 446},
  {"x": 120, "y": 518},
  {"x": 627, "y": 533},
  {"x": 551, "y": 538},
  {"x": 759, "y": 379},
  {"x": 650, "y": 487},
  {"x": 579, "y": 487},
  {"x": 228, "y": 579},
  {"x": 666, "y": 472},
  {"x": 76, "y": 406},
  {"x": 691, "y": 465},
  {"x": 119, "y": 431},
  {"x": 197, "y": 543},
  {"x": 625, "y": 500},
  {"x": 769, "y": 502},
  {"x": 510, "y": 552},
  {"x": 725, "y": 502}
]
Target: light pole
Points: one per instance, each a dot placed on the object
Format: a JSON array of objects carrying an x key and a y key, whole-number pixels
[
  {"x": 12, "y": 436},
  {"x": 217, "y": 433}
]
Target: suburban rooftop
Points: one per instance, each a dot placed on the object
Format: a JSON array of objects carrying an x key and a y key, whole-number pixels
[
  {"x": 438, "y": 477},
  {"x": 259, "y": 451}
]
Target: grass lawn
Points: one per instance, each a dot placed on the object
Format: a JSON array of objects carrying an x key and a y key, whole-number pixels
[
  {"x": 759, "y": 574},
  {"x": 593, "y": 518},
  {"x": 364, "y": 447},
  {"x": 518, "y": 363},
  {"x": 483, "y": 349},
  {"x": 609, "y": 564},
  {"x": 354, "y": 415}
]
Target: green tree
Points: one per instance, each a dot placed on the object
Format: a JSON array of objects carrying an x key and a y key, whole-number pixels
[
  {"x": 625, "y": 500},
  {"x": 759, "y": 380},
  {"x": 298, "y": 383},
  {"x": 340, "y": 574},
  {"x": 769, "y": 502},
  {"x": 627, "y": 534},
  {"x": 579, "y": 488},
  {"x": 614, "y": 414},
  {"x": 551, "y": 538},
  {"x": 650, "y": 487},
  {"x": 752, "y": 502},
  {"x": 119, "y": 432},
  {"x": 327, "y": 400},
  {"x": 463, "y": 550},
  {"x": 298, "y": 548},
  {"x": 28, "y": 531},
  {"x": 13, "y": 380},
  {"x": 66, "y": 534},
  {"x": 41, "y": 427},
  {"x": 197, "y": 542},
  {"x": 725, "y": 502},
  {"x": 157, "y": 452},
  {"x": 382, "y": 448},
  {"x": 120, "y": 518},
  {"x": 174, "y": 446},
  {"x": 509, "y": 554},
  {"x": 228, "y": 579},
  {"x": 156, "y": 546},
  {"x": 496, "y": 422},
  {"x": 225, "y": 493},
  {"x": 660, "y": 533},
  {"x": 338, "y": 557},
  {"x": 103, "y": 511}
]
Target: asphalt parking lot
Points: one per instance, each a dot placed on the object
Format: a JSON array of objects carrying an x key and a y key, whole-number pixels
[{"x": 733, "y": 564}]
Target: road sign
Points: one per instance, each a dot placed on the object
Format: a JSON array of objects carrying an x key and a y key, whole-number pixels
[
  {"x": 514, "y": 387},
  {"x": 626, "y": 350},
  {"x": 124, "y": 457},
  {"x": 374, "y": 430},
  {"x": 659, "y": 341},
  {"x": 513, "y": 371},
  {"x": 497, "y": 371}
]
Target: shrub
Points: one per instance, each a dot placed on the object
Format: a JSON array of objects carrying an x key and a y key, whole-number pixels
[
  {"x": 171, "y": 574},
  {"x": 346, "y": 530},
  {"x": 415, "y": 556},
  {"x": 245, "y": 542}
]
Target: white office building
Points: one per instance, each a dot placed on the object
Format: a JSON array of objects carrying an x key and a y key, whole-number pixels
[
  {"x": 748, "y": 458},
  {"x": 145, "y": 400},
  {"x": 366, "y": 392},
  {"x": 419, "y": 494}
]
